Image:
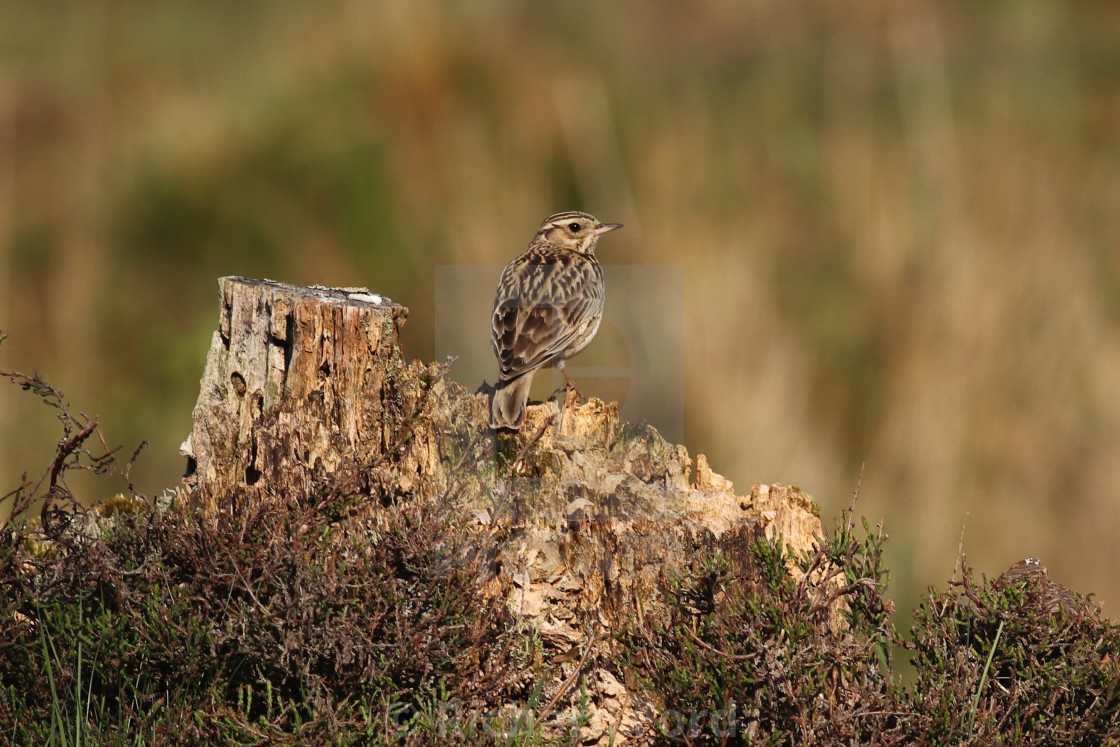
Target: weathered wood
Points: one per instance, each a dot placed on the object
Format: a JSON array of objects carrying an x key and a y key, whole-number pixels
[
  {"x": 586, "y": 517},
  {"x": 291, "y": 389}
]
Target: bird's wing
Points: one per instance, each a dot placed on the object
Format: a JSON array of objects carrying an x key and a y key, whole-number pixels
[{"x": 540, "y": 309}]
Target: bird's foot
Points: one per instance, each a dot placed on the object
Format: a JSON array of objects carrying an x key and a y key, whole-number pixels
[
  {"x": 569, "y": 386},
  {"x": 571, "y": 397}
]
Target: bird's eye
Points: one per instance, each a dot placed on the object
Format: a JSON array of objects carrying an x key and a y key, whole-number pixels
[{"x": 574, "y": 227}]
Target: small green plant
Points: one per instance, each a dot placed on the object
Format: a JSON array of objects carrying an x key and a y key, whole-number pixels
[
  {"x": 1007, "y": 664},
  {"x": 752, "y": 655},
  {"x": 759, "y": 658}
]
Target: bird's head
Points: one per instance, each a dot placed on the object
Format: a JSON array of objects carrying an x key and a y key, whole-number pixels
[{"x": 573, "y": 230}]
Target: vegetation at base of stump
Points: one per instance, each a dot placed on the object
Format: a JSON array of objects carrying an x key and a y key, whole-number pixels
[
  {"x": 749, "y": 661},
  {"x": 134, "y": 622}
]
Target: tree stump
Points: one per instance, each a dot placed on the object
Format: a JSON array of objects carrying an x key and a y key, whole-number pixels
[
  {"x": 291, "y": 391},
  {"x": 583, "y": 518}
]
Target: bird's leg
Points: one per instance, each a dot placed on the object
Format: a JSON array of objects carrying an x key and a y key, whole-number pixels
[
  {"x": 571, "y": 392},
  {"x": 571, "y": 395},
  {"x": 569, "y": 385}
]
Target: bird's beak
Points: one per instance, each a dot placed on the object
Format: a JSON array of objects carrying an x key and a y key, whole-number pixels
[{"x": 606, "y": 227}]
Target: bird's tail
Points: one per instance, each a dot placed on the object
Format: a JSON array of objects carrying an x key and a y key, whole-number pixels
[{"x": 507, "y": 408}]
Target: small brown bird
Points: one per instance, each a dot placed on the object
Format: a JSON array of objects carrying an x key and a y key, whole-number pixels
[{"x": 548, "y": 308}]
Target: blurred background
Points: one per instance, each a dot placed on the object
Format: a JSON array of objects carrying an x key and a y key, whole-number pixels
[{"x": 896, "y": 226}]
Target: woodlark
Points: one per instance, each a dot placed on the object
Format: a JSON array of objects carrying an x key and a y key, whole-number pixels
[{"x": 548, "y": 308}]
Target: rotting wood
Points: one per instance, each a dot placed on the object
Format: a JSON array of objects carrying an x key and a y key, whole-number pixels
[
  {"x": 305, "y": 390},
  {"x": 292, "y": 385}
]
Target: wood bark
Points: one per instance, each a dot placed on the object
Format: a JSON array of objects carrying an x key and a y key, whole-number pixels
[{"x": 292, "y": 390}]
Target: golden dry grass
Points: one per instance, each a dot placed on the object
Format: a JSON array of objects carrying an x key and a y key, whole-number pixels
[{"x": 897, "y": 223}]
